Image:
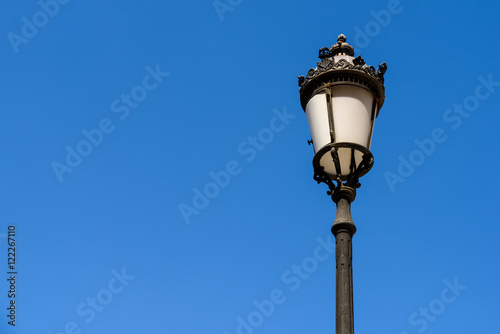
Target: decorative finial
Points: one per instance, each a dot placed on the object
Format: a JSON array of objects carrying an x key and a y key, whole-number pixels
[{"x": 341, "y": 47}]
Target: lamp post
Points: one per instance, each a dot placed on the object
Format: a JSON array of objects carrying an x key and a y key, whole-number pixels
[{"x": 341, "y": 97}]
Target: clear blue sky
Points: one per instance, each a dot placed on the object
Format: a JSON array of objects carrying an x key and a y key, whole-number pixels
[{"x": 116, "y": 116}]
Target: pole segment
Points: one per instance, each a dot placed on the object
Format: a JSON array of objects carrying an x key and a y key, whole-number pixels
[{"x": 343, "y": 229}]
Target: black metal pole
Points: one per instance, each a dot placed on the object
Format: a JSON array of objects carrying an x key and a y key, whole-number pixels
[{"x": 343, "y": 229}]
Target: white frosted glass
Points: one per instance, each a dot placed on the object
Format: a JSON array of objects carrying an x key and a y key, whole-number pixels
[
  {"x": 327, "y": 162},
  {"x": 352, "y": 108},
  {"x": 345, "y": 157},
  {"x": 317, "y": 117},
  {"x": 373, "y": 126}
]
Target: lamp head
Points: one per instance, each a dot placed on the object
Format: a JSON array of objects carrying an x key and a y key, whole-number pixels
[{"x": 341, "y": 97}]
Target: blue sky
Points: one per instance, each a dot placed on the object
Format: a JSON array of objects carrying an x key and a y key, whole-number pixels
[{"x": 117, "y": 115}]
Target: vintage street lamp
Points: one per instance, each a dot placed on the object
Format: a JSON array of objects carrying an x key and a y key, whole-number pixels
[{"x": 341, "y": 97}]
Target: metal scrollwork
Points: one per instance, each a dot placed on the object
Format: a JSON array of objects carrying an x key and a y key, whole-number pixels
[
  {"x": 321, "y": 177},
  {"x": 380, "y": 72},
  {"x": 328, "y": 63},
  {"x": 382, "y": 68},
  {"x": 324, "y": 53},
  {"x": 358, "y": 61},
  {"x": 301, "y": 80}
]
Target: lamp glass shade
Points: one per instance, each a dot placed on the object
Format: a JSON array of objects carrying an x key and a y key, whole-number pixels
[
  {"x": 352, "y": 114},
  {"x": 341, "y": 114},
  {"x": 317, "y": 118}
]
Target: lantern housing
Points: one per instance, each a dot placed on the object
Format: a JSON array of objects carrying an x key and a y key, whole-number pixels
[{"x": 341, "y": 97}]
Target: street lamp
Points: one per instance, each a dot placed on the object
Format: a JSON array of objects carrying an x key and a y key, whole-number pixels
[{"x": 341, "y": 97}]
